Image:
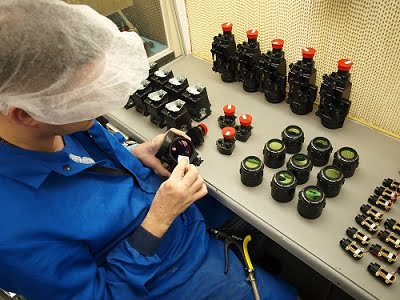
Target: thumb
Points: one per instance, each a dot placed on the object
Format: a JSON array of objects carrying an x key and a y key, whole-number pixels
[{"x": 180, "y": 168}]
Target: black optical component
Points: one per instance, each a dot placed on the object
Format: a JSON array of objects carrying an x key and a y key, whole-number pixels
[
  {"x": 319, "y": 150},
  {"x": 393, "y": 225},
  {"x": 383, "y": 253},
  {"x": 197, "y": 134},
  {"x": 381, "y": 201},
  {"x": 352, "y": 248},
  {"x": 379, "y": 272},
  {"x": 347, "y": 160},
  {"x": 392, "y": 184},
  {"x": 172, "y": 147},
  {"x": 330, "y": 180},
  {"x": 386, "y": 192},
  {"x": 153, "y": 67},
  {"x": 283, "y": 186},
  {"x": 176, "y": 115},
  {"x": 367, "y": 223},
  {"x": 311, "y": 202},
  {"x": 251, "y": 171},
  {"x": 274, "y": 153},
  {"x": 358, "y": 235},
  {"x": 160, "y": 78},
  {"x": 137, "y": 99},
  {"x": 155, "y": 103},
  {"x": 300, "y": 165},
  {"x": 293, "y": 138},
  {"x": 197, "y": 102},
  {"x": 176, "y": 86},
  {"x": 389, "y": 238}
]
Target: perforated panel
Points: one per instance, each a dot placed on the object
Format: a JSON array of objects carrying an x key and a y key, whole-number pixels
[{"x": 367, "y": 32}]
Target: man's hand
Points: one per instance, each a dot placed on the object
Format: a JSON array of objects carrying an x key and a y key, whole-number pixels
[
  {"x": 184, "y": 187},
  {"x": 146, "y": 152}
]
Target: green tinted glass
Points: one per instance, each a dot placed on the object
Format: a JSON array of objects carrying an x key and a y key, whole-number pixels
[
  {"x": 293, "y": 131},
  {"x": 347, "y": 154},
  {"x": 312, "y": 194},
  {"x": 332, "y": 173},
  {"x": 321, "y": 143},
  {"x": 285, "y": 178},
  {"x": 252, "y": 163},
  {"x": 275, "y": 145},
  {"x": 300, "y": 160}
]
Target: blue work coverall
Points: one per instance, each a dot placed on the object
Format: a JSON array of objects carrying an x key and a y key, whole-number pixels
[{"x": 69, "y": 233}]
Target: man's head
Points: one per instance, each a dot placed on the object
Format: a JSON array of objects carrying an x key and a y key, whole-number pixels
[{"x": 63, "y": 64}]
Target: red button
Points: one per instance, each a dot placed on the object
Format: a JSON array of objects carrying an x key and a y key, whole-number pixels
[
  {"x": 229, "y": 110},
  {"x": 344, "y": 64},
  {"x": 308, "y": 52},
  {"x": 245, "y": 120},
  {"x": 204, "y": 127},
  {"x": 227, "y": 27},
  {"x": 228, "y": 133},
  {"x": 277, "y": 44},
  {"x": 252, "y": 34}
]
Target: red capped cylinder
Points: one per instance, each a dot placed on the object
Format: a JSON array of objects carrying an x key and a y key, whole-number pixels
[
  {"x": 228, "y": 133},
  {"x": 204, "y": 128},
  {"x": 277, "y": 43},
  {"x": 229, "y": 110},
  {"x": 252, "y": 34},
  {"x": 227, "y": 27},
  {"x": 308, "y": 52},
  {"x": 245, "y": 120},
  {"x": 345, "y": 65}
]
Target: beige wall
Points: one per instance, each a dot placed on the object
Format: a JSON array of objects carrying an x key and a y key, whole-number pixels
[
  {"x": 366, "y": 31},
  {"x": 105, "y": 7}
]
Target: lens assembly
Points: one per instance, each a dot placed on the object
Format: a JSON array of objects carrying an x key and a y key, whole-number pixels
[
  {"x": 346, "y": 159},
  {"x": 300, "y": 166},
  {"x": 293, "y": 138},
  {"x": 319, "y": 150},
  {"x": 311, "y": 202},
  {"x": 274, "y": 153},
  {"x": 172, "y": 147},
  {"x": 283, "y": 186},
  {"x": 330, "y": 180},
  {"x": 251, "y": 171}
]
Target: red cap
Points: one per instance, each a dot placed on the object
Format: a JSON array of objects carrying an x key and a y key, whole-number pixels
[
  {"x": 308, "y": 52},
  {"x": 245, "y": 120},
  {"x": 228, "y": 133},
  {"x": 229, "y": 110},
  {"x": 204, "y": 127},
  {"x": 277, "y": 44},
  {"x": 252, "y": 34},
  {"x": 227, "y": 27},
  {"x": 344, "y": 64}
]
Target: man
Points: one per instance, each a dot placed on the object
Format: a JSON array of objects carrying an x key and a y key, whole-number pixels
[{"x": 71, "y": 228}]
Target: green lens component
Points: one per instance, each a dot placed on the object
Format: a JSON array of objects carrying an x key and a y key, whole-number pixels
[
  {"x": 319, "y": 151},
  {"x": 274, "y": 153},
  {"x": 347, "y": 160},
  {"x": 311, "y": 202},
  {"x": 300, "y": 165},
  {"x": 283, "y": 186},
  {"x": 285, "y": 178},
  {"x": 330, "y": 180},
  {"x": 293, "y": 138},
  {"x": 251, "y": 171},
  {"x": 300, "y": 160},
  {"x": 313, "y": 194},
  {"x": 347, "y": 153},
  {"x": 275, "y": 145}
]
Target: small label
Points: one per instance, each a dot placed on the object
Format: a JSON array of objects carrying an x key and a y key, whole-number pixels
[
  {"x": 253, "y": 31},
  {"x": 229, "y": 106},
  {"x": 389, "y": 276},
  {"x": 347, "y": 62},
  {"x": 365, "y": 238},
  {"x": 397, "y": 242},
  {"x": 390, "y": 255},
  {"x": 244, "y": 117},
  {"x": 306, "y": 49},
  {"x": 183, "y": 157}
]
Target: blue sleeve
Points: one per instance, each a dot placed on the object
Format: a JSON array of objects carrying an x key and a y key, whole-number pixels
[{"x": 67, "y": 270}]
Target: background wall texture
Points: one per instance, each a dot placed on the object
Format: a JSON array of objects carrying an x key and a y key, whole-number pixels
[{"x": 365, "y": 31}]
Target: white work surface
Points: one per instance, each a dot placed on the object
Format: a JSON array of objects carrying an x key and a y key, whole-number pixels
[{"x": 316, "y": 242}]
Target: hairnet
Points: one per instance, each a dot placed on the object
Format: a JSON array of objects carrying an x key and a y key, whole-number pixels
[{"x": 65, "y": 63}]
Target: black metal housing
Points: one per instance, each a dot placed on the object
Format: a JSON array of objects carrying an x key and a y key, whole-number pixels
[
  {"x": 248, "y": 57},
  {"x": 281, "y": 190},
  {"x": 197, "y": 102},
  {"x": 160, "y": 78},
  {"x": 293, "y": 138},
  {"x": 137, "y": 99},
  {"x": 155, "y": 103},
  {"x": 301, "y": 171},
  {"x": 223, "y": 50},
  {"x": 175, "y": 87},
  {"x": 319, "y": 150},
  {"x": 251, "y": 176},
  {"x": 346, "y": 164},
  {"x": 310, "y": 209},
  {"x": 330, "y": 186},
  {"x": 273, "y": 157},
  {"x": 176, "y": 115}
]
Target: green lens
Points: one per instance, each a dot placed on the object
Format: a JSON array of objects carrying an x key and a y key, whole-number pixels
[
  {"x": 300, "y": 160},
  {"x": 293, "y": 131},
  {"x": 321, "y": 143},
  {"x": 313, "y": 194},
  {"x": 285, "y": 178},
  {"x": 252, "y": 163},
  {"x": 332, "y": 173},
  {"x": 275, "y": 145},
  {"x": 347, "y": 154}
]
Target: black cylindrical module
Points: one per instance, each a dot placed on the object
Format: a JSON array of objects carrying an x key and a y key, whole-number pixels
[
  {"x": 330, "y": 180},
  {"x": 293, "y": 138},
  {"x": 311, "y": 202},
  {"x": 283, "y": 186},
  {"x": 300, "y": 166},
  {"x": 393, "y": 225},
  {"x": 251, "y": 171},
  {"x": 392, "y": 184},
  {"x": 319, "y": 150},
  {"x": 274, "y": 153},
  {"x": 346, "y": 159}
]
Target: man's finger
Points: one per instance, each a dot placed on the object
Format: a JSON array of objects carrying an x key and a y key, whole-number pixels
[
  {"x": 180, "y": 169},
  {"x": 190, "y": 176},
  {"x": 181, "y": 133}
]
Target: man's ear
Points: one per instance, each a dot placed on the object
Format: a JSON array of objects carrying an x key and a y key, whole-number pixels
[{"x": 21, "y": 117}]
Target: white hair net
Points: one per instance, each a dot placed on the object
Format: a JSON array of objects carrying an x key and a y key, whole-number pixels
[{"x": 65, "y": 63}]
